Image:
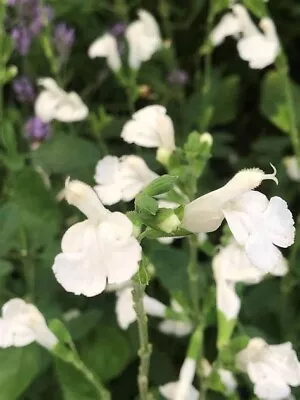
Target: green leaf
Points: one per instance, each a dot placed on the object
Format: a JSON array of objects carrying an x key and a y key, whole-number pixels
[
  {"x": 106, "y": 351},
  {"x": 73, "y": 384},
  {"x": 68, "y": 155},
  {"x": 84, "y": 323},
  {"x": 273, "y": 103},
  {"x": 226, "y": 100},
  {"x": 171, "y": 267},
  {"x": 257, "y": 7},
  {"x": 19, "y": 368},
  {"x": 10, "y": 226},
  {"x": 60, "y": 331},
  {"x": 37, "y": 205}
]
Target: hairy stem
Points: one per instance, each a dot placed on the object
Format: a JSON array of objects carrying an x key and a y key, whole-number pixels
[{"x": 145, "y": 347}]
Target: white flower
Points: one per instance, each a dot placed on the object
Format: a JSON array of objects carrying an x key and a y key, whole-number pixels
[
  {"x": 292, "y": 169},
  {"x": 54, "y": 103},
  {"x": 97, "y": 251},
  {"x": 173, "y": 327},
  {"x": 228, "y": 380},
  {"x": 126, "y": 314},
  {"x": 22, "y": 324},
  {"x": 121, "y": 178},
  {"x": 143, "y": 38},
  {"x": 228, "y": 26},
  {"x": 150, "y": 127},
  {"x": 232, "y": 265},
  {"x": 272, "y": 368},
  {"x": 205, "y": 214},
  {"x": 260, "y": 225},
  {"x": 183, "y": 388},
  {"x": 106, "y": 46},
  {"x": 260, "y": 49}
]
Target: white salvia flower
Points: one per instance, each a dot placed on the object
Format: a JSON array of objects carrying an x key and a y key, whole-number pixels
[
  {"x": 22, "y": 324},
  {"x": 97, "y": 251},
  {"x": 126, "y": 314},
  {"x": 272, "y": 368},
  {"x": 183, "y": 388},
  {"x": 228, "y": 26},
  {"x": 260, "y": 225},
  {"x": 292, "y": 169},
  {"x": 54, "y": 103},
  {"x": 150, "y": 127},
  {"x": 144, "y": 39},
  {"x": 259, "y": 49},
  {"x": 121, "y": 178},
  {"x": 106, "y": 46},
  {"x": 205, "y": 214},
  {"x": 173, "y": 327},
  {"x": 232, "y": 265}
]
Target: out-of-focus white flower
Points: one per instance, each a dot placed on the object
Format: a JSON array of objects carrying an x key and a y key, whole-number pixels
[
  {"x": 106, "y": 46},
  {"x": 54, "y": 103},
  {"x": 71, "y": 314},
  {"x": 150, "y": 127},
  {"x": 126, "y": 314},
  {"x": 143, "y": 38},
  {"x": 232, "y": 265},
  {"x": 256, "y": 223},
  {"x": 121, "y": 178},
  {"x": 183, "y": 388},
  {"x": 97, "y": 251},
  {"x": 228, "y": 26},
  {"x": 205, "y": 214},
  {"x": 259, "y": 49},
  {"x": 272, "y": 368},
  {"x": 292, "y": 169},
  {"x": 175, "y": 328},
  {"x": 22, "y": 324},
  {"x": 260, "y": 225}
]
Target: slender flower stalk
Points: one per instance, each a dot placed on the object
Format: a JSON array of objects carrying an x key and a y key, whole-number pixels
[{"x": 145, "y": 347}]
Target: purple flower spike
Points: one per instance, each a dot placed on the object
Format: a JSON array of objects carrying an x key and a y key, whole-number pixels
[
  {"x": 64, "y": 37},
  {"x": 36, "y": 130},
  {"x": 24, "y": 89},
  {"x": 118, "y": 29},
  {"x": 178, "y": 77},
  {"x": 22, "y": 38}
]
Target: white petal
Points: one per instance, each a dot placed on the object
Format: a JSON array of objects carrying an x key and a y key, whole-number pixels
[
  {"x": 45, "y": 106},
  {"x": 123, "y": 260},
  {"x": 228, "y": 380},
  {"x": 284, "y": 361},
  {"x": 140, "y": 134},
  {"x": 186, "y": 377},
  {"x": 109, "y": 194},
  {"x": 154, "y": 307},
  {"x": 175, "y": 328},
  {"x": 280, "y": 222},
  {"x": 106, "y": 170},
  {"x": 82, "y": 196},
  {"x": 169, "y": 391},
  {"x": 228, "y": 301},
  {"x": 14, "y": 308},
  {"x": 72, "y": 241},
  {"x": 267, "y": 383},
  {"x": 244, "y": 213},
  {"x": 80, "y": 274},
  {"x": 251, "y": 353},
  {"x": 106, "y": 46},
  {"x": 71, "y": 109},
  {"x": 126, "y": 314},
  {"x": 292, "y": 169},
  {"x": 228, "y": 26},
  {"x": 262, "y": 253},
  {"x": 116, "y": 228},
  {"x": 15, "y": 334},
  {"x": 258, "y": 51},
  {"x": 246, "y": 23}
]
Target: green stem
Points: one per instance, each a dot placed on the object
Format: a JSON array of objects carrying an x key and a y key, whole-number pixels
[
  {"x": 103, "y": 394},
  {"x": 145, "y": 347},
  {"x": 193, "y": 274}
]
